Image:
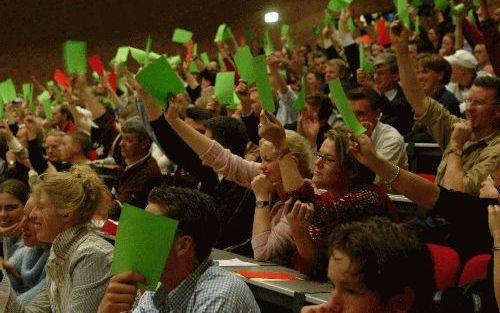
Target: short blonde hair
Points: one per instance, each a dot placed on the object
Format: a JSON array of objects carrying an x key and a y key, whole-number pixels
[
  {"x": 299, "y": 148},
  {"x": 80, "y": 190}
]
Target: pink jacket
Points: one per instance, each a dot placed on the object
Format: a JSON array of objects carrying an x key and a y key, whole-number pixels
[{"x": 275, "y": 245}]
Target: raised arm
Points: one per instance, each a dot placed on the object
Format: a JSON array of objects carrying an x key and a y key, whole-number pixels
[
  {"x": 416, "y": 188},
  {"x": 91, "y": 102},
  {"x": 412, "y": 90}
]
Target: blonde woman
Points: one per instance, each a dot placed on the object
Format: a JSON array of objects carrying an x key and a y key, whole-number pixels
[{"x": 79, "y": 264}]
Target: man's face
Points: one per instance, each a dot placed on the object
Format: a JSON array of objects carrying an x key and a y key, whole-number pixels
[
  {"x": 364, "y": 113},
  {"x": 313, "y": 82},
  {"x": 349, "y": 292},
  {"x": 131, "y": 147},
  {"x": 51, "y": 146},
  {"x": 481, "y": 110},
  {"x": 384, "y": 79},
  {"x": 67, "y": 148},
  {"x": 320, "y": 64},
  {"x": 57, "y": 117},
  {"x": 376, "y": 49},
  {"x": 429, "y": 80},
  {"x": 481, "y": 54}
]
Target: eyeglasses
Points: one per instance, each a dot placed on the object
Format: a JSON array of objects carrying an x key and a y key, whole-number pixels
[
  {"x": 475, "y": 102},
  {"x": 324, "y": 157},
  {"x": 9, "y": 207}
]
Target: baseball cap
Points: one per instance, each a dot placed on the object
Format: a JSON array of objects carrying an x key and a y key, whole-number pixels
[{"x": 462, "y": 58}]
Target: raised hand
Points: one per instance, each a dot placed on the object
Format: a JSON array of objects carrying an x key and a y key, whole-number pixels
[
  {"x": 271, "y": 129},
  {"x": 299, "y": 215},
  {"x": 362, "y": 149},
  {"x": 494, "y": 222},
  {"x": 461, "y": 133},
  {"x": 399, "y": 35},
  {"x": 262, "y": 187},
  {"x": 121, "y": 293}
]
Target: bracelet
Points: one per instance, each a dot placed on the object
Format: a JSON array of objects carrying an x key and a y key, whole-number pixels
[
  {"x": 396, "y": 172},
  {"x": 281, "y": 153},
  {"x": 495, "y": 248},
  {"x": 455, "y": 151}
]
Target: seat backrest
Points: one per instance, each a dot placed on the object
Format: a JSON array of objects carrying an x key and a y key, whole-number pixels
[
  {"x": 475, "y": 268},
  {"x": 446, "y": 265}
]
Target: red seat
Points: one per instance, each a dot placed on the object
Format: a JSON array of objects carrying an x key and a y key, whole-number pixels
[
  {"x": 429, "y": 177},
  {"x": 475, "y": 268},
  {"x": 446, "y": 265}
]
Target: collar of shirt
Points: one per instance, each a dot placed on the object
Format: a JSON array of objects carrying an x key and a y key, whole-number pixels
[
  {"x": 473, "y": 145},
  {"x": 179, "y": 297},
  {"x": 391, "y": 94},
  {"x": 129, "y": 166},
  {"x": 376, "y": 131}
]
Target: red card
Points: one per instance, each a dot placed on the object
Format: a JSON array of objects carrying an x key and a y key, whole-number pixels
[
  {"x": 267, "y": 275},
  {"x": 96, "y": 64},
  {"x": 366, "y": 39},
  {"x": 112, "y": 80},
  {"x": 62, "y": 79},
  {"x": 242, "y": 40},
  {"x": 382, "y": 34},
  {"x": 190, "y": 47}
]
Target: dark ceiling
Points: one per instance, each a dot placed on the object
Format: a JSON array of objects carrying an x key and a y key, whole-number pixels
[{"x": 32, "y": 31}]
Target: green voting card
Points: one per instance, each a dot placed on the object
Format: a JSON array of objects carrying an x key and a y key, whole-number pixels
[
  {"x": 364, "y": 62},
  {"x": 28, "y": 96},
  {"x": 181, "y": 35},
  {"x": 223, "y": 33},
  {"x": 300, "y": 103},
  {"x": 159, "y": 80},
  {"x": 404, "y": 17},
  {"x": 142, "y": 245},
  {"x": 340, "y": 99},
  {"x": 204, "y": 57},
  {"x": 8, "y": 91},
  {"x": 122, "y": 54},
  {"x": 75, "y": 56},
  {"x": 44, "y": 98},
  {"x": 224, "y": 88},
  {"x": 262, "y": 82},
  {"x": 244, "y": 63}
]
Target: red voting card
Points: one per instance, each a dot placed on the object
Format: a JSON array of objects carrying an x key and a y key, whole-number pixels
[
  {"x": 267, "y": 275},
  {"x": 62, "y": 79},
  {"x": 382, "y": 34},
  {"x": 112, "y": 80},
  {"x": 96, "y": 64},
  {"x": 190, "y": 47}
]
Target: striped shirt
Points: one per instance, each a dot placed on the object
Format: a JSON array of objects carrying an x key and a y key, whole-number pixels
[
  {"x": 208, "y": 289},
  {"x": 78, "y": 271}
]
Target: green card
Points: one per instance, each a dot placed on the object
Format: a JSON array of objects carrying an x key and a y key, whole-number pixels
[
  {"x": 204, "y": 58},
  {"x": 441, "y": 4},
  {"x": 8, "y": 91},
  {"x": 149, "y": 42},
  {"x": 193, "y": 68},
  {"x": 262, "y": 82},
  {"x": 285, "y": 29},
  {"x": 340, "y": 99},
  {"x": 28, "y": 96},
  {"x": 223, "y": 33},
  {"x": 44, "y": 98},
  {"x": 159, "y": 80},
  {"x": 57, "y": 91},
  {"x": 249, "y": 35},
  {"x": 181, "y": 35},
  {"x": 364, "y": 62},
  {"x": 351, "y": 25},
  {"x": 404, "y": 17},
  {"x": 142, "y": 245},
  {"x": 457, "y": 9},
  {"x": 244, "y": 63},
  {"x": 122, "y": 54},
  {"x": 417, "y": 25},
  {"x": 327, "y": 19},
  {"x": 224, "y": 88},
  {"x": 337, "y": 5},
  {"x": 236, "y": 102},
  {"x": 470, "y": 16},
  {"x": 316, "y": 30},
  {"x": 416, "y": 3},
  {"x": 268, "y": 45},
  {"x": 300, "y": 103},
  {"x": 75, "y": 56},
  {"x": 2, "y": 109},
  {"x": 195, "y": 50},
  {"x": 140, "y": 56},
  {"x": 176, "y": 59},
  {"x": 220, "y": 59}
]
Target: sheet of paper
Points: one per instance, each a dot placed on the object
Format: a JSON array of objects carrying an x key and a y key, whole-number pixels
[
  {"x": 75, "y": 56},
  {"x": 340, "y": 99},
  {"x": 8, "y": 90},
  {"x": 122, "y": 54},
  {"x": 96, "y": 64},
  {"x": 235, "y": 262},
  {"x": 44, "y": 98},
  {"x": 142, "y": 245},
  {"x": 244, "y": 64},
  {"x": 28, "y": 96},
  {"x": 224, "y": 88},
  {"x": 181, "y": 35},
  {"x": 262, "y": 82}
]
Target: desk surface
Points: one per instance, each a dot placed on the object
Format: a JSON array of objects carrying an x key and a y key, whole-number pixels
[{"x": 317, "y": 298}]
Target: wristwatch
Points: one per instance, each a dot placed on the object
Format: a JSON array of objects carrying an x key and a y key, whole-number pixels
[
  {"x": 282, "y": 152},
  {"x": 259, "y": 204}
]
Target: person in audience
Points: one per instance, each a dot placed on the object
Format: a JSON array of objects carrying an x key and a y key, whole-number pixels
[
  {"x": 79, "y": 265},
  {"x": 13, "y": 197},
  {"x": 470, "y": 146},
  {"x": 463, "y": 73},
  {"x": 190, "y": 280},
  {"x": 62, "y": 119},
  {"x": 75, "y": 148},
  {"x": 483, "y": 60},
  {"x": 140, "y": 172},
  {"x": 313, "y": 120},
  {"x": 369, "y": 270},
  {"x": 447, "y": 45},
  {"x": 348, "y": 194},
  {"x": 26, "y": 267},
  {"x": 396, "y": 111}
]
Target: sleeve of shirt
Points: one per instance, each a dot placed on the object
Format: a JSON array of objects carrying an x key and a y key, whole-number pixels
[
  {"x": 91, "y": 271},
  {"x": 10, "y": 303},
  {"x": 274, "y": 244},
  {"x": 286, "y": 112},
  {"x": 393, "y": 150},
  {"x": 482, "y": 168},
  {"x": 37, "y": 160},
  {"x": 438, "y": 122}
]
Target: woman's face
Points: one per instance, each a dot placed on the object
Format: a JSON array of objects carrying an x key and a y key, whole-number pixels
[
  {"x": 46, "y": 221},
  {"x": 270, "y": 164},
  {"x": 327, "y": 171},
  {"x": 11, "y": 210},
  {"x": 28, "y": 227},
  {"x": 447, "y": 46}
]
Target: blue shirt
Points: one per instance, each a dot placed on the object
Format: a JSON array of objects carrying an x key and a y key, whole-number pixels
[{"x": 208, "y": 289}]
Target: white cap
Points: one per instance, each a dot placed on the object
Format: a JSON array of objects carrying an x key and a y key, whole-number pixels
[{"x": 462, "y": 58}]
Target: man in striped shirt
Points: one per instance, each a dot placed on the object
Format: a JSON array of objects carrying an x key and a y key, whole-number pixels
[{"x": 190, "y": 281}]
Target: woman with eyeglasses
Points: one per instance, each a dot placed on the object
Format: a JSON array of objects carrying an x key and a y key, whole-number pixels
[
  {"x": 79, "y": 264},
  {"x": 341, "y": 191}
]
